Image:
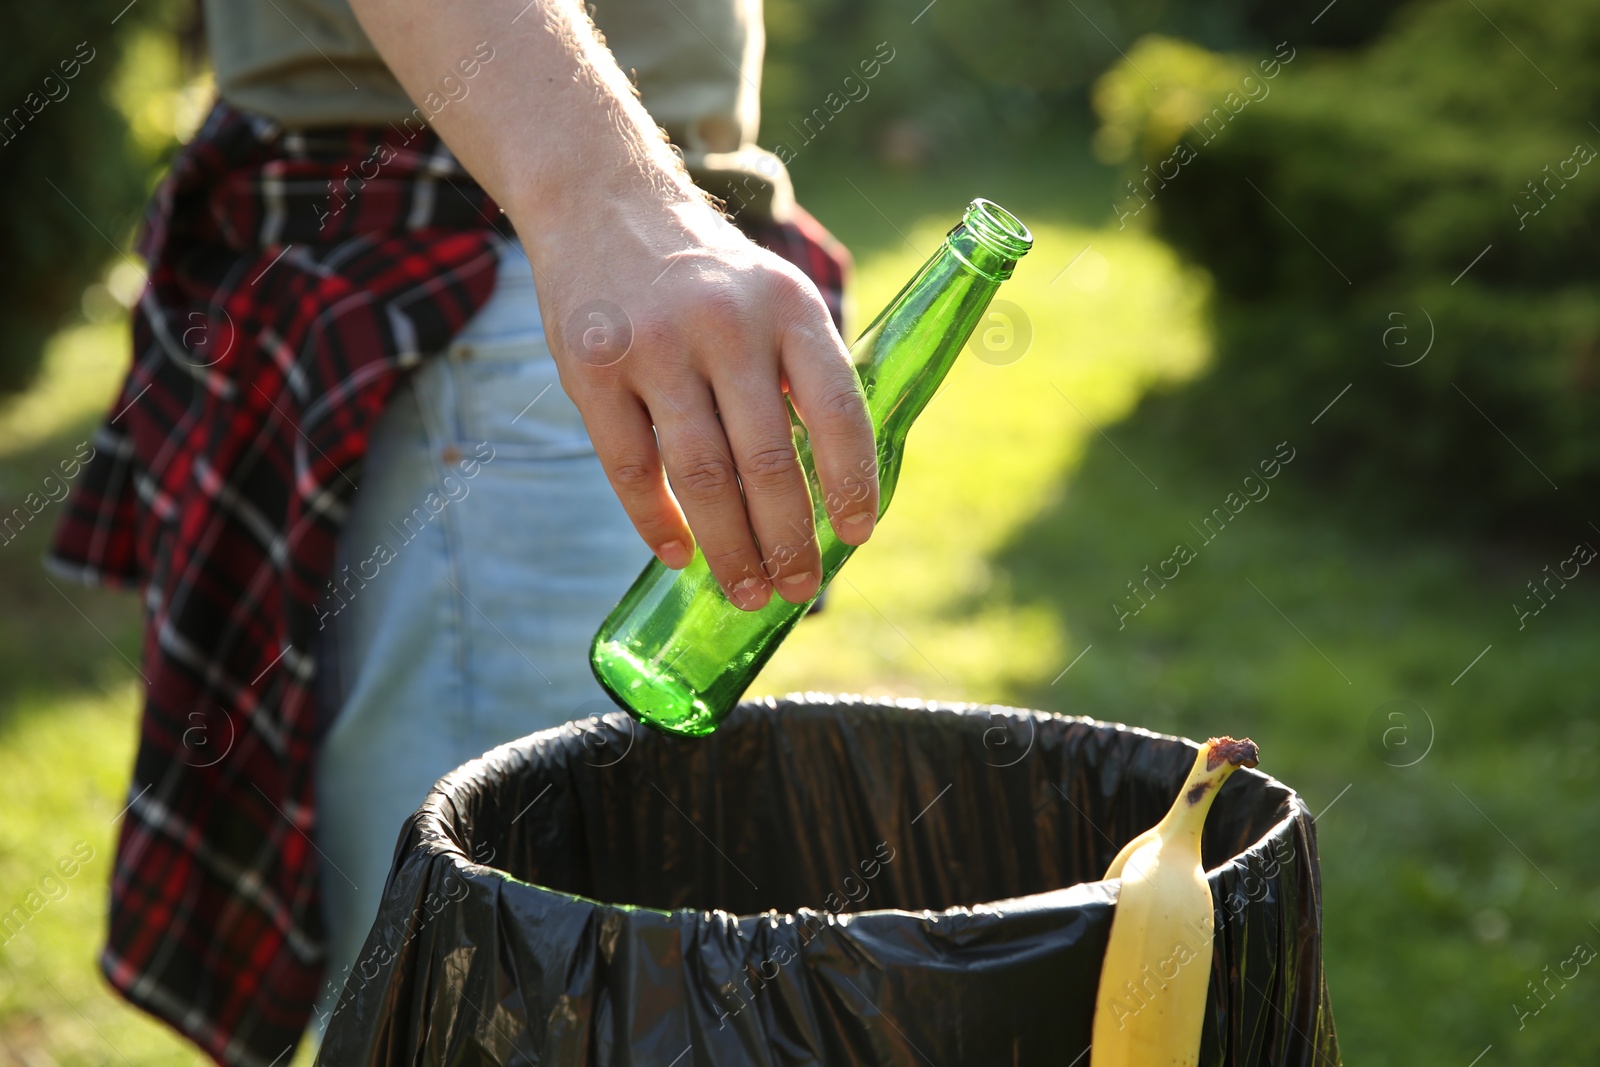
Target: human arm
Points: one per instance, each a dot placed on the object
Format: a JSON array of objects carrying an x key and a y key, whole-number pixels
[{"x": 692, "y": 390}]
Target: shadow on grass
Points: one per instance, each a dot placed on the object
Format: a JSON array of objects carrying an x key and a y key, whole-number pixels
[{"x": 1450, "y": 753}]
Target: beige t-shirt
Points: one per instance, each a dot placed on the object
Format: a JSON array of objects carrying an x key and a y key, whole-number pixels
[{"x": 697, "y": 63}]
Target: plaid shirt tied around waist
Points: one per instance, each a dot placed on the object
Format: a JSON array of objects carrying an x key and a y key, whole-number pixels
[{"x": 294, "y": 276}]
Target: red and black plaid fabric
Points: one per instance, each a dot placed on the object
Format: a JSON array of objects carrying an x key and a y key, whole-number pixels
[{"x": 294, "y": 277}]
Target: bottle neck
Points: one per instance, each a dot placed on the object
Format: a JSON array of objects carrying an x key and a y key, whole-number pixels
[{"x": 904, "y": 355}]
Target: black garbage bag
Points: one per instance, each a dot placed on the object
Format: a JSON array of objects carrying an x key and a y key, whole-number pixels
[{"x": 823, "y": 881}]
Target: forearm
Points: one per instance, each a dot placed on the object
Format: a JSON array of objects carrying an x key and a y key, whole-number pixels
[{"x": 552, "y": 123}]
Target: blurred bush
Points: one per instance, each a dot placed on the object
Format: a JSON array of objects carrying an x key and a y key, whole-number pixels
[
  {"x": 965, "y": 74},
  {"x": 72, "y": 172},
  {"x": 1416, "y": 221}
]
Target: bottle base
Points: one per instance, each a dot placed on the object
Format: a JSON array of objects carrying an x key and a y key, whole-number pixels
[{"x": 655, "y": 697}]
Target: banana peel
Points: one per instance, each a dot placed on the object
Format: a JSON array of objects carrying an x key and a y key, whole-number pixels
[{"x": 1150, "y": 1005}]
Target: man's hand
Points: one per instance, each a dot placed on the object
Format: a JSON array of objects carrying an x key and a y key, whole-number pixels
[
  {"x": 660, "y": 313},
  {"x": 673, "y": 318}
]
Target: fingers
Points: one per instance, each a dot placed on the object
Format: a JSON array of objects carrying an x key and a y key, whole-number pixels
[
  {"x": 828, "y": 398},
  {"x": 756, "y": 422},
  {"x": 725, "y": 334},
  {"x": 622, "y": 436},
  {"x": 705, "y": 480}
]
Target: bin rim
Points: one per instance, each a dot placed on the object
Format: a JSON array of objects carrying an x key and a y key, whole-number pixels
[{"x": 433, "y": 824}]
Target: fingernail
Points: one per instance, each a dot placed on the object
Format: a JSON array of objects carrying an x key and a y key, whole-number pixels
[
  {"x": 674, "y": 554},
  {"x": 858, "y": 524},
  {"x": 795, "y": 582},
  {"x": 750, "y": 594}
]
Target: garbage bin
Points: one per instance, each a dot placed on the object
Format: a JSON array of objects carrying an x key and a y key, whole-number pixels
[{"x": 825, "y": 880}]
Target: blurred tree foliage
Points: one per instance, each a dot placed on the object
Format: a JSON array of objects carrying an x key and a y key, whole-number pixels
[
  {"x": 72, "y": 172},
  {"x": 965, "y": 73},
  {"x": 1417, "y": 222},
  {"x": 962, "y": 75}
]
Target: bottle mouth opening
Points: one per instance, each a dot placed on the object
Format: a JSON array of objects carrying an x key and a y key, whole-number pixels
[{"x": 997, "y": 229}]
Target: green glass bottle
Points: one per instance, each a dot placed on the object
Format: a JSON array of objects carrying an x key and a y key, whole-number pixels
[{"x": 674, "y": 652}]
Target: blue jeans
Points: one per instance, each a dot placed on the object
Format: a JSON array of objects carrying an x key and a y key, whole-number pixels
[{"x": 481, "y": 553}]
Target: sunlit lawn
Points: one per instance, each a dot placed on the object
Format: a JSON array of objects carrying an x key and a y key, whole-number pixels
[
  {"x": 991, "y": 449},
  {"x": 1449, "y": 884}
]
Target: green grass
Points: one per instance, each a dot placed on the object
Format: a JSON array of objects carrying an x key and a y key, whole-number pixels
[
  {"x": 69, "y": 700},
  {"x": 1014, "y": 530},
  {"x": 997, "y": 440}
]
